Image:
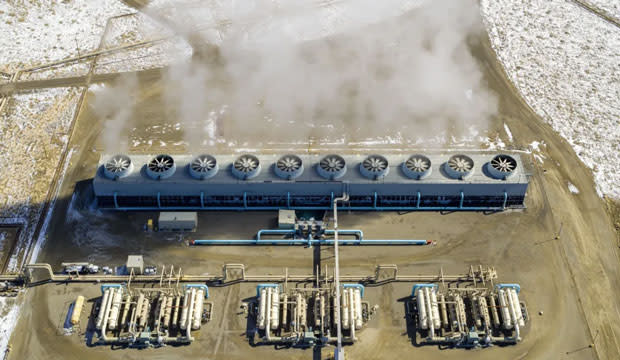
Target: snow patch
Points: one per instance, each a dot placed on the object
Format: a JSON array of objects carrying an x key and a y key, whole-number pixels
[{"x": 572, "y": 188}]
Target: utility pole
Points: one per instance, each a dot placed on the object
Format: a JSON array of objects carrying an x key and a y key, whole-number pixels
[{"x": 339, "y": 355}]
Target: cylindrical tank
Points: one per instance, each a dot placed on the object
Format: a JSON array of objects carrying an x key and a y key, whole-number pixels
[
  {"x": 275, "y": 308},
  {"x": 345, "y": 309},
  {"x": 303, "y": 311},
  {"x": 317, "y": 310},
  {"x": 284, "y": 318},
  {"x": 126, "y": 306},
  {"x": 115, "y": 309},
  {"x": 444, "y": 313},
  {"x": 461, "y": 311},
  {"x": 493, "y": 304},
  {"x": 175, "y": 314},
  {"x": 322, "y": 311},
  {"x": 139, "y": 305},
  {"x": 484, "y": 311},
  {"x": 198, "y": 305},
  {"x": 298, "y": 311},
  {"x": 162, "y": 309},
  {"x": 184, "y": 310},
  {"x": 262, "y": 303},
  {"x": 475, "y": 311},
  {"x": 358, "y": 308},
  {"x": 168, "y": 311},
  {"x": 435, "y": 308},
  {"x": 190, "y": 308},
  {"x": 158, "y": 311},
  {"x": 103, "y": 308},
  {"x": 503, "y": 303},
  {"x": 352, "y": 314},
  {"x": 144, "y": 317},
  {"x": 77, "y": 310},
  {"x": 422, "y": 316},
  {"x": 517, "y": 306}
]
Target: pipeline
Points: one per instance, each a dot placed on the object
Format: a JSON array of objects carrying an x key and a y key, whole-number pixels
[{"x": 310, "y": 242}]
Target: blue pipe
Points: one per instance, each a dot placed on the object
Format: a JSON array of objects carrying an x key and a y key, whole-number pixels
[
  {"x": 517, "y": 287},
  {"x": 261, "y": 286},
  {"x": 355, "y": 286},
  {"x": 505, "y": 200},
  {"x": 418, "y": 202},
  {"x": 309, "y": 242},
  {"x": 202, "y": 199},
  {"x": 353, "y": 208},
  {"x": 108, "y": 286},
  {"x": 462, "y": 198},
  {"x": 417, "y": 286},
  {"x": 115, "y": 200},
  {"x": 198, "y": 286},
  {"x": 273, "y": 232},
  {"x": 159, "y": 200}
]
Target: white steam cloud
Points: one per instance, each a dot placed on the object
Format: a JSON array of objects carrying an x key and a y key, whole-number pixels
[{"x": 294, "y": 71}]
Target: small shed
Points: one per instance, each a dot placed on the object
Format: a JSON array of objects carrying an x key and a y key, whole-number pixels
[
  {"x": 286, "y": 219},
  {"x": 135, "y": 263},
  {"x": 177, "y": 221}
]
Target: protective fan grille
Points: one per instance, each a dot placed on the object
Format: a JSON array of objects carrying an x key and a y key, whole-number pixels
[
  {"x": 332, "y": 163},
  {"x": 460, "y": 164},
  {"x": 246, "y": 164},
  {"x": 203, "y": 164},
  {"x": 161, "y": 163},
  {"x": 417, "y": 164},
  {"x": 289, "y": 164},
  {"x": 118, "y": 164},
  {"x": 504, "y": 164},
  {"x": 375, "y": 164}
]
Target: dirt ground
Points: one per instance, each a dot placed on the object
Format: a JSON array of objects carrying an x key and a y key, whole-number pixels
[{"x": 573, "y": 280}]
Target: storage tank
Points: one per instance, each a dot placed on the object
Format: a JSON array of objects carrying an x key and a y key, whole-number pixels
[
  {"x": 345, "y": 309},
  {"x": 102, "y": 308},
  {"x": 185, "y": 309},
  {"x": 275, "y": 308},
  {"x": 435, "y": 308},
  {"x": 198, "y": 306},
  {"x": 262, "y": 304},
  {"x": 422, "y": 316},
  {"x": 358, "y": 308},
  {"x": 503, "y": 303},
  {"x": 77, "y": 310},
  {"x": 115, "y": 309}
]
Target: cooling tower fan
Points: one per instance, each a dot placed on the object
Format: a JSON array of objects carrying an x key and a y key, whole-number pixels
[
  {"x": 161, "y": 167},
  {"x": 332, "y": 167},
  {"x": 374, "y": 167},
  {"x": 117, "y": 166},
  {"x": 417, "y": 167},
  {"x": 459, "y": 166},
  {"x": 502, "y": 166},
  {"x": 289, "y": 167},
  {"x": 246, "y": 167},
  {"x": 203, "y": 167}
]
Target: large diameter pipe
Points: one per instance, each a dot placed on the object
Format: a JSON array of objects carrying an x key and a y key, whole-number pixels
[
  {"x": 494, "y": 313},
  {"x": 284, "y": 311},
  {"x": 358, "y": 308},
  {"x": 127, "y": 305},
  {"x": 185, "y": 309},
  {"x": 102, "y": 308},
  {"x": 352, "y": 314},
  {"x": 345, "y": 309},
  {"x": 275, "y": 308},
  {"x": 444, "y": 313},
  {"x": 429, "y": 311},
  {"x": 262, "y": 304},
  {"x": 115, "y": 309},
  {"x": 422, "y": 316},
  {"x": 435, "y": 308},
  {"x": 503, "y": 303},
  {"x": 198, "y": 306},
  {"x": 306, "y": 242},
  {"x": 168, "y": 312},
  {"x": 77, "y": 310},
  {"x": 175, "y": 314},
  {"x": 268, "y": 314},
  {"x": 517, "y": 306}
]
